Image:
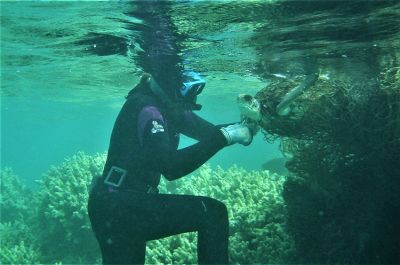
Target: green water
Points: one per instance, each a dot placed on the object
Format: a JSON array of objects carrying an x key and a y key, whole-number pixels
[
  {"x": 67, "y": 65},
  {"x": 58, "y": 99},
  {"x": 59, "y": 96}
]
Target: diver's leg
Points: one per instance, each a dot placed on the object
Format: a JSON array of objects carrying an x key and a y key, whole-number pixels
[
  {"x": 175, "y": 214},
  {"x": 212, "y": 245},
  {"x": 119, "y": 243},
  {"x": 122, "y": 251},
  {"x": 128, "y": 219}
]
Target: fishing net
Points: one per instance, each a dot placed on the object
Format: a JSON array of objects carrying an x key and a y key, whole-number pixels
[{"x": 343, "y": 138}]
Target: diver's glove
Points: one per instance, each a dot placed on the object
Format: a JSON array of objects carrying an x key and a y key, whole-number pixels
[
  {"x": 237, "y": 133},
  {"x": 252, "y": 125}
]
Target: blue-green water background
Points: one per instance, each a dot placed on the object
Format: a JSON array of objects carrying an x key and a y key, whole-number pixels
[
  {"x": 57, "y": 100},
  {"x": 60, "y": 96}
]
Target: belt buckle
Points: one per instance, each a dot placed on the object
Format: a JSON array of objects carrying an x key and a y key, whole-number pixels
[{"x": 115, "y": 176}]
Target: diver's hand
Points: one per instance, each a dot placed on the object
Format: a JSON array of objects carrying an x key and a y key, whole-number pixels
[
  {"x": 252, "y": 125},
  {"x": 237, "y": 133}
]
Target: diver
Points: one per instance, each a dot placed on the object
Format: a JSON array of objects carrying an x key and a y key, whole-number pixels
[{"x": 125, "y": 208}]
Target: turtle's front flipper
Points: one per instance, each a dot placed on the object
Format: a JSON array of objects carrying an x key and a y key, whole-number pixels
[{"x": 283, "y": 108}]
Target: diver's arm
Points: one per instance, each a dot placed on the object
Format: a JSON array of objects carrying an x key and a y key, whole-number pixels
[
  {"x": 172, "y": 163},
  {"x": 197, "y": 128},
  {"x": 160, "y": 153},
  {"x": 175, "y": 164}
]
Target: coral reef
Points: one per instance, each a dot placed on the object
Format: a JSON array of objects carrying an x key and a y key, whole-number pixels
[
  {"x": 61, "y": 232},
  {"x": 18, "y": 254},
  {"x": 18, "y": 244},
  {"x": 63, "y": 220},
  {"x": 178, "y": 249},
  {"x": 18, "y": 207},
  {"x": 15, "y": 199}
]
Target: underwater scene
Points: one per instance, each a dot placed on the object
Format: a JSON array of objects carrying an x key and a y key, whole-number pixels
[{"x": 304, "y": 153}]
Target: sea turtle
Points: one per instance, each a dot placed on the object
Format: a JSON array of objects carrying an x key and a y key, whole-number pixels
[{"x": 253, "y": 109}]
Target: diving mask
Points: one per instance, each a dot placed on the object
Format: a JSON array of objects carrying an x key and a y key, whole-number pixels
[{"x": 192, "y": 86}]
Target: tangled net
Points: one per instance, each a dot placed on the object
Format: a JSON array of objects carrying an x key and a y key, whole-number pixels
[
  {"x": 344, "y": 140},
  {"x": 339, "y": 110}
]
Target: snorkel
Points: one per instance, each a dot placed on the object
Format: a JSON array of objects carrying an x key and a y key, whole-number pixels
[
  {"x": 159, "y": 92},
  {"x": 161, "y": 43}
]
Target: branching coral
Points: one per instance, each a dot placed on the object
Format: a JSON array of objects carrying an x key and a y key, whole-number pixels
[
  {"x": 18, "y": 254},
  {"x": 64, "y": 224},
  {"x": 16, "y": 200},
  {"x": 18, "y": 205},
  {"x": 18, "y": 244},
  {"x": 178, "y": 249}
]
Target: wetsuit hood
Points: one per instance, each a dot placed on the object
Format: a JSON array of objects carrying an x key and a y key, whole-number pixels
[
  {"x": 182, "y": 95},
  {"x": 171, "y": 102}
]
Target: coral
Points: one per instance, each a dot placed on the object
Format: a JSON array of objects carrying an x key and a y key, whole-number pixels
[
  {"x": 18, "y": 254},
  {"x": 18, "y": 205},
  {"x": 12, "y": 233},
  {"x": 178, "y": 249},
  {"x": 256, "y": 211},
  {"x": 16, "y": 201},
  {"x": 14, "y": 248},
  {"x": 63, "y": 219}
]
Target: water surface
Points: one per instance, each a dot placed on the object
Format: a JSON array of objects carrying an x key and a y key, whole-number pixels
[{"x": 66, "y": 66}]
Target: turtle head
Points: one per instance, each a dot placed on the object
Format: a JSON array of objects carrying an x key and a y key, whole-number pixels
[{"x": 249, "y": 107}]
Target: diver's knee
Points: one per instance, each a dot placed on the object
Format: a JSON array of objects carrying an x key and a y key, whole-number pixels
[{"x": 215, "y": 208}]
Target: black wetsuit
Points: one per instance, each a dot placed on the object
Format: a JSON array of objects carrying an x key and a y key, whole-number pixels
[{"x": 144, "y": 142}]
